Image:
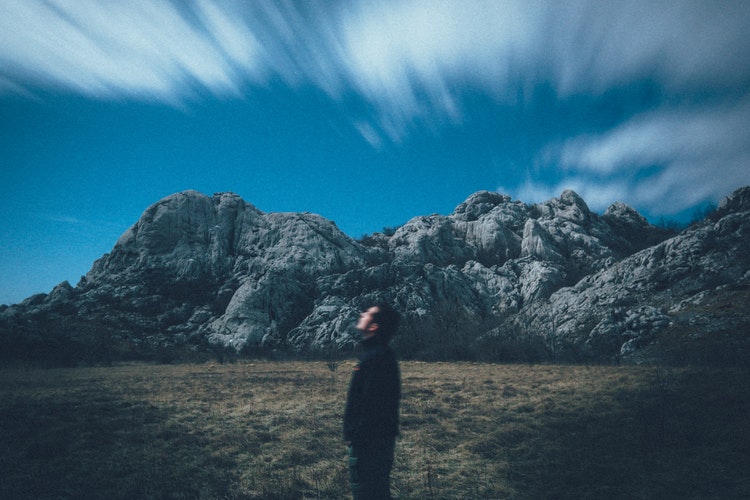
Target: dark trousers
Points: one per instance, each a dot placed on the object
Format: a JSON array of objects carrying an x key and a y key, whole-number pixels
[{"x": 370, "y": 469}]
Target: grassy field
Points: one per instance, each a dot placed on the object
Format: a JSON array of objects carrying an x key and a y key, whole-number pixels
[{"x": 470, "y": 431}]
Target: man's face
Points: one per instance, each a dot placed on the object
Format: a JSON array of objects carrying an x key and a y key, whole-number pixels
[{"x": 366, "y": 324}]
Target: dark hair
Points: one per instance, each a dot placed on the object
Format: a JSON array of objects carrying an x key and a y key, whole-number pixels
[{"x": 387, "y": 319}]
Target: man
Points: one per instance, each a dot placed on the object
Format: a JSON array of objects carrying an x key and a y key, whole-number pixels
[{"x": 371, "y": 414}]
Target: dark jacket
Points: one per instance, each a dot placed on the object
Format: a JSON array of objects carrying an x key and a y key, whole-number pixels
[{"x": 374, "y": 394}]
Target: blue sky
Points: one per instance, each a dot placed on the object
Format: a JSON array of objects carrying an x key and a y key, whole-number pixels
[{"x": 366, "y": 112}]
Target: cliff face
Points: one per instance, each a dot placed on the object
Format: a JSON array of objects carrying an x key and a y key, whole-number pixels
[
  {"x": 694, "y": 286},
  {"x": 198, "y": 270}
]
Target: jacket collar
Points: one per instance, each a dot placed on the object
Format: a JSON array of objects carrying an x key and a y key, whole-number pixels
[{"x": 372, "y": 347}]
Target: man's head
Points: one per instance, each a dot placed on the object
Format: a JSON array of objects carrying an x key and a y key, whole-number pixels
[{"x": 380, "y": 320}]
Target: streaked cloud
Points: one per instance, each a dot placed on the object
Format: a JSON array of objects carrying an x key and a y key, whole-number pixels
[
  {"x": 406, "y": 55},
  {"x": 416, "y": 63},
  {"x": 671, "y": 159},
  {"x": 63, "y": 219},
  {"x": 142, "y": 49}
]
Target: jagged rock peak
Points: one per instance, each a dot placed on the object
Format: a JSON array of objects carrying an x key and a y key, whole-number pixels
[
  {"x": 738, "y": 201},
  {"x": 190, "y": 197},
  {"x": 478, "y": 204},
  {"x": 625, "y": 213},
  {"x": 197, "y": 269},
  {"x": 568, "y": 206}
]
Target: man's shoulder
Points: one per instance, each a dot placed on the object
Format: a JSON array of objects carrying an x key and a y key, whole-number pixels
[{"x": 378, "y": 354}]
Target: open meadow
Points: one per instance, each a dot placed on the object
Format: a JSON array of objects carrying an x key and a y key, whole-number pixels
[{"x": 273, "y": 430}]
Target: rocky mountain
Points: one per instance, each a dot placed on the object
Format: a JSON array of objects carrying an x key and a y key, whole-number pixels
[{"x": 496, "y": 279}]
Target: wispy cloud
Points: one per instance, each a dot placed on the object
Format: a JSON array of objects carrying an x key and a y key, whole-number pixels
[
  {"x": 671, "y": 159},
  {"x": 416, "y": 62},
  {"x": 140, "y": 49},
  {"x": 63, "y": 219},
  {"x": 594, "y": 46},
  {"x": 409, "y": 58}
]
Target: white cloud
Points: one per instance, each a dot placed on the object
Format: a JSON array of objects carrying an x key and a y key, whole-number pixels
[
  {"x": 10, "y": 87},
  {"x": 233, "y": 36},
  {"x": 414, "y": 62},
  {"x": 146, "y": 49},
  {"x": 369, "y": 134},
  {"x": 411, "y": 60},
  {"x": 666, "y": 160},
  {"x": 64, "y": 219},
  {"x": 409, "y": 57},
  {"x": 592, "y": 46}
]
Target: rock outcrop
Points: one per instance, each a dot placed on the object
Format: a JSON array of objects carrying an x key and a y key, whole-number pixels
[
  {"x": 666, "y": 288},
  {"x": 198, "y": 271}
]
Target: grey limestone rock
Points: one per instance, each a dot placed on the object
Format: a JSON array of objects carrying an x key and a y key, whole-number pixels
[{"x": 218, "y": 270}]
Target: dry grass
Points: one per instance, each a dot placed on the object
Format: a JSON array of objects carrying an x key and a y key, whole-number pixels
[{"x": 272, "y": 430}]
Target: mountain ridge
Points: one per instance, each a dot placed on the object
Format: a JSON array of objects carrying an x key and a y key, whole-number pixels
[{"x": 546, "y": 281}]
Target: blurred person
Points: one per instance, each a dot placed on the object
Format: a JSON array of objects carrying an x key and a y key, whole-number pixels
[{"x": 371, "y": 416}]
